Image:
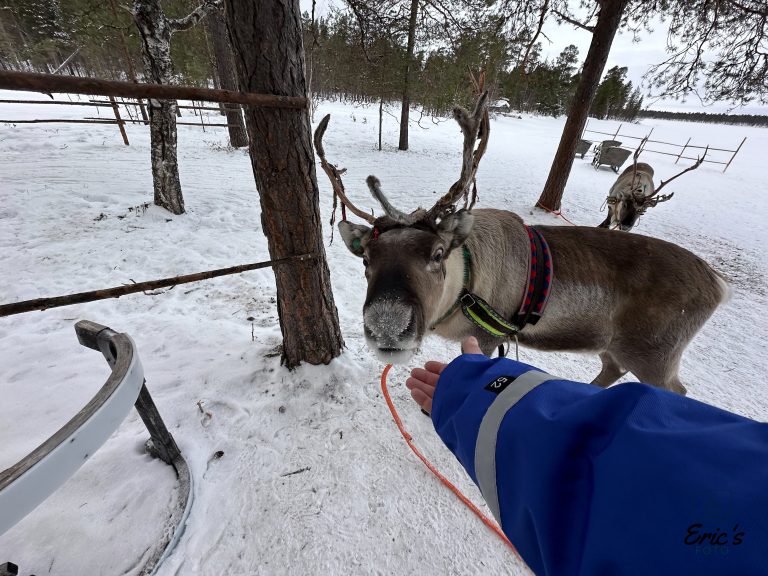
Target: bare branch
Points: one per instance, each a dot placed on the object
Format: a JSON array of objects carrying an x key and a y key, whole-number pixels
[
  {"x": 570, "y": 20},
  {"x": 445, "y": 12},
  {"x": 532, "y": 43},
  {"x": 334, "y": 175},
  {"x": 191, "y": 19},
  {"x": 718, "y": 45}
]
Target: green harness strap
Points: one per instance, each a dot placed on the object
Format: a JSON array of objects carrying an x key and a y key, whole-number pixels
[
  {"x": 484, "y": 316},
  {"x": 475, "y": 308}
]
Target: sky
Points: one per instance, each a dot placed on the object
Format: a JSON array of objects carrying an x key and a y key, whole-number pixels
[{"x": 636, "y": 56}]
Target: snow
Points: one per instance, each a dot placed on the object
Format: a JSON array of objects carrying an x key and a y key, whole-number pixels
[{"x": 364, "y": 504}]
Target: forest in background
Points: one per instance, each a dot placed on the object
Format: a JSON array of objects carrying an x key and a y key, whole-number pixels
[
  {"x": 708, "y": 117},
  {"x": 346, "y": 60}
]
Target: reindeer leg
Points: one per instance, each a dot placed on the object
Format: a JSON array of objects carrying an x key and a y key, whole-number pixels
[
  {"x": 612, "y": 370},
  {"x": 663, "y": 375},
  {"x": 660, "y": 369}
]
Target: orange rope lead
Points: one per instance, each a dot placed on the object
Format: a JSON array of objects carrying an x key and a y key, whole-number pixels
[
  {"x": 557, "y": 213},
  {"x": 409, "y": 440}
]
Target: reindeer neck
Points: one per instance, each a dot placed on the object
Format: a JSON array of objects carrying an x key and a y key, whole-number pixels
[
  {"x": 500, "y": 261},
  {"x": 458, "y": 275},
  {"x": 492, "y": 264}
]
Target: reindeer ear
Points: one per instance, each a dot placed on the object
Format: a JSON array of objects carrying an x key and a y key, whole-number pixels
[
  {"x": 455, "y": 227},
  {"x": 355, "y": 236}
]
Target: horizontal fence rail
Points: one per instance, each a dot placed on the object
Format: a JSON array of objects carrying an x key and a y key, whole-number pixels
[
  {"x": 58, "y": 103},
  {"x": 47, "y": 83},
  {"x": 682, "y": 147},
  {"x": 93, "y": 295},
  {"x": 119, "y": 120}
]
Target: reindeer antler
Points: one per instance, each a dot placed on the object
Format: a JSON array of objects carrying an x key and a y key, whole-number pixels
[
  {"x": 698, "y": 163},
  {"x": 335, "y": 175},
  {"x": 400, "y": 217},
  {"x": 472, "y": 125},
  {"x": 635, "y": 156}
]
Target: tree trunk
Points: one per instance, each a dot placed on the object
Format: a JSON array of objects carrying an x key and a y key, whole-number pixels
[
  {"x": 608, "y": 22},
  {"x": 404, "y": 113},
  {"x": 381, "y": 118},
  {"x": 155, "y": 33},
  {"x": 128, "y": 61},
  {"x": 225, "y": 68},
  {"x": 267, "y": 46}
]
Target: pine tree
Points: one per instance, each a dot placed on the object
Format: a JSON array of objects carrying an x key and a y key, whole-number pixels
[{"x": 266, "y": 36}]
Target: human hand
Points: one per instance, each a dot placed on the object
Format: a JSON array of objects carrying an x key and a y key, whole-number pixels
[{"x": 423, "y": 381}]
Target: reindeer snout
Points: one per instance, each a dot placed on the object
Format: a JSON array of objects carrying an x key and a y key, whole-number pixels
[{"x": 389, "y": 322}]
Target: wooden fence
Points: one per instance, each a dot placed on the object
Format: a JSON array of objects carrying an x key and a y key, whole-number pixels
[
  {"x": 683, "y": 147},
  {"x": 49, "y": 84},
  {"x": 131, "y": 107}
]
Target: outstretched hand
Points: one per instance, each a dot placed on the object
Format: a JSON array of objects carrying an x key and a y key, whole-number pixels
[{"x": 423, "y": 381}]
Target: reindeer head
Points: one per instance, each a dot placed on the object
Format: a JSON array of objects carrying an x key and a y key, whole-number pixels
[
  {"x": 405, "y": 254},
  {"x": 628, "y": 196},
  {"x": 634, "y": 192}
]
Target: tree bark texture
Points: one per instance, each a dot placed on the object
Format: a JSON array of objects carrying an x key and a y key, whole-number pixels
[
  {"x": 225, "y": 71},
  {"x": 155, "y": 31},
  {"x": 405, "y": 111},
  {"x": 269, "y": 58},
  {"x": 608, "y": 22}
]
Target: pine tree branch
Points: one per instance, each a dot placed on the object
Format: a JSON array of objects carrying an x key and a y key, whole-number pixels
[
  {"x": 576, "y": 23},
  {"x": 191, "y": 19},
  {"x": 542, "y": 18},
  {"x": 748, "y": 9}
]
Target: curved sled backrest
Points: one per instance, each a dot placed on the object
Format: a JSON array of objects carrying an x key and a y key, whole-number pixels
[
  {"x": 28, "y": 483},
  {"x": 39, "y": 474}
]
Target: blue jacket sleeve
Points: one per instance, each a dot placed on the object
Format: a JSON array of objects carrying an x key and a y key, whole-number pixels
[{"x": 626, "y": 480}]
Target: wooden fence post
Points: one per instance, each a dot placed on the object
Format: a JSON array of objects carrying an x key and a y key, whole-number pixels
[
  {"x": 734, "y": 154},
  {"x": 682, "y": 151},
  {"x": 120, "y": 122},
  {"x": 202, "y": 123},
  {"x": 127, "y": 108}
]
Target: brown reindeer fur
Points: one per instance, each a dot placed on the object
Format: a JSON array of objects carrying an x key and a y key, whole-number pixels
[{"x": 635, "y": 301}]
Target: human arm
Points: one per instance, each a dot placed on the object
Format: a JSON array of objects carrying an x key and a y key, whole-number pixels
[{"x": 626, "y": 480}]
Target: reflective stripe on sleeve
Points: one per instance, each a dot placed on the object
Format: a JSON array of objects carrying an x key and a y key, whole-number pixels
[{"x": 485, "y": 447}]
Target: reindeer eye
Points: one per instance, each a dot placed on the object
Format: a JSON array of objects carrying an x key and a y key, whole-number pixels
[{"x": 437, "y": 257}]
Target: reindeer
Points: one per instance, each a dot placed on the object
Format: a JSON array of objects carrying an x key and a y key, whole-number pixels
[
  {"x": 634, "y": 192},
  {"x": 635, "y": 301}
]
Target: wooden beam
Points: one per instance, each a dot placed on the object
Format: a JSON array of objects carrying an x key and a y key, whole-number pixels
[
  {"x": 120, "y": 123},
  {"x": 734, "y": 154},
  {"x": 103, "y": 104},
  {"x": 60, "y": 121},
  {"x": 48, "y": 83},
  {"x": 79, "y": 298}
]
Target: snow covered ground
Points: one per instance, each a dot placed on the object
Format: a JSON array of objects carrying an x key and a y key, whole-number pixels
[{"x": 364, "y": 505}]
